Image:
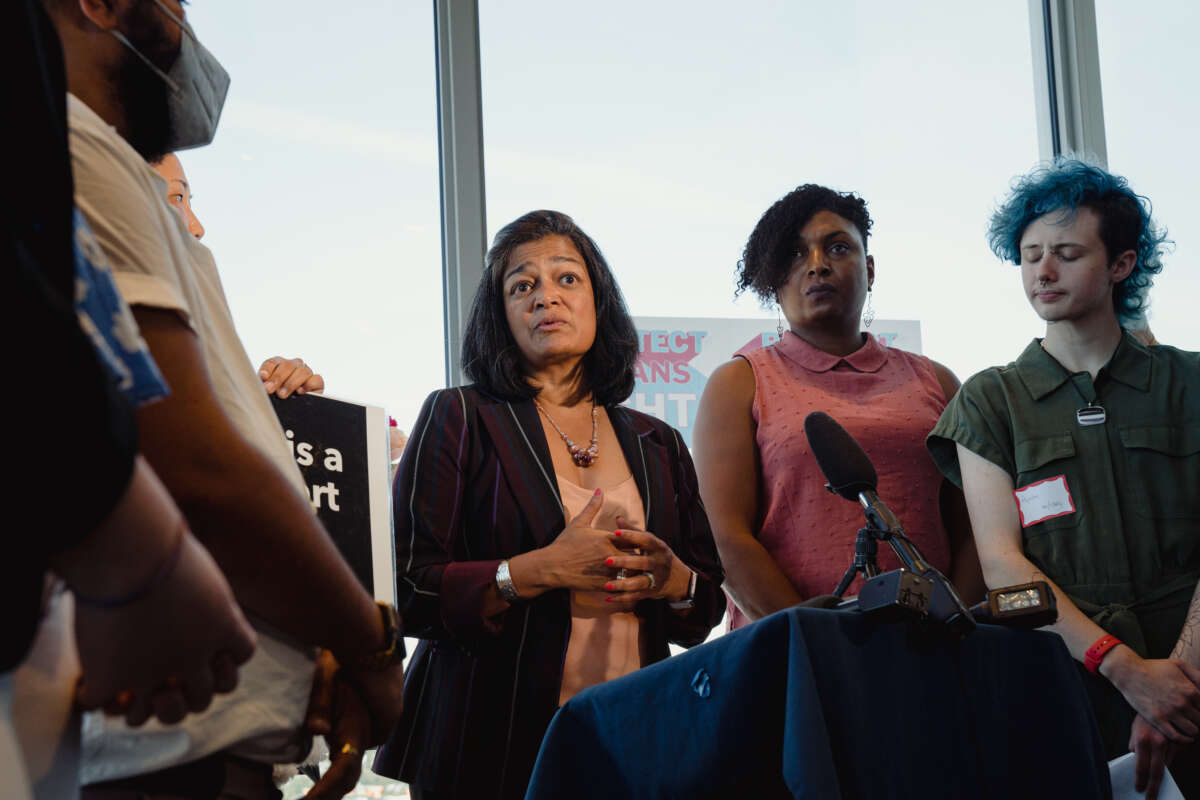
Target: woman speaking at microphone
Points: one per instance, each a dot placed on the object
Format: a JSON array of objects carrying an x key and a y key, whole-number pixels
[
  {"x": 547, "y": 538},
  {"x": 782, "y": 537}
]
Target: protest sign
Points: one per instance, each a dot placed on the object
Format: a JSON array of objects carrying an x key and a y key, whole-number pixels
[{"x": 341, "y": 448}]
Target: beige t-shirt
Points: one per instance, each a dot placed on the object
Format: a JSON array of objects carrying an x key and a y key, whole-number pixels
[{"x": 157, "y": 263}]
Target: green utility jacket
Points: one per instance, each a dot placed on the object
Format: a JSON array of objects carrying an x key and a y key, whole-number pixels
[{"x": 1121, "y": 533}]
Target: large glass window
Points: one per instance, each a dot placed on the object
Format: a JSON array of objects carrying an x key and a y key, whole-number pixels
[
  {"x": 320, "y": 193},
  {"x": 666, "y": 129},
  {"x": 1152, "y": 125}
]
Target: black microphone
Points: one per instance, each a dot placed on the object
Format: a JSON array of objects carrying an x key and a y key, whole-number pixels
[
  {"x": 852, "y": 475},
  {"x": 840, "y": 458}
]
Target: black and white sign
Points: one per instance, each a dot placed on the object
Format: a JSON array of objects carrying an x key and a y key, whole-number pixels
[{"x": 341, "y": 448}]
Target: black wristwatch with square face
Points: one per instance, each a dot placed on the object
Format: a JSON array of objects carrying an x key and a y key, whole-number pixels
[{"x": 392, "y": 651}]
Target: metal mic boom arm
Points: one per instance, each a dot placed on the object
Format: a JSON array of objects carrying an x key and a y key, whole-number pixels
[
  {"x": 878, "y": 514},
  {"x": 880, "y": 517},
  {"x": 946, "y": 606}
]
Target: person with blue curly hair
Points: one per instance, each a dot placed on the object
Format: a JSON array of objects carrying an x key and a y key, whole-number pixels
[
  {"x": 1125, "y": 224},
  {"x": 1080, "y": 461}
]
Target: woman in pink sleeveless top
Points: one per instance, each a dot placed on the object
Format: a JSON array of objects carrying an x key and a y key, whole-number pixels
[{"x": 782, "y": 537}]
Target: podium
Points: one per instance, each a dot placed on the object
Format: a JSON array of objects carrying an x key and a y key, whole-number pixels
[{"x": 812, "y": 703}]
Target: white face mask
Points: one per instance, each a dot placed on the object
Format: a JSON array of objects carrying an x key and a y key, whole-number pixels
[{"x": 198, "y": 86}]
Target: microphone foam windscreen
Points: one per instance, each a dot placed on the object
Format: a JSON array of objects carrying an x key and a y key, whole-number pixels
[{"x": 843, "y": 461}]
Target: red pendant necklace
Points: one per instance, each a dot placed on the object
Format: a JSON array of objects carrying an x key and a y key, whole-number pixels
[{"x": 581, "y": 457}]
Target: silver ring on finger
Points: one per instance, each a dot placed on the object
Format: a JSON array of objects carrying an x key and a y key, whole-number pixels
[{"x": 650, "y": 575}]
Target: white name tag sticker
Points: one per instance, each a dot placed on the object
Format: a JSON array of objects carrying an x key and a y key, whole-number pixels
[{"x": 1044, "y": 500}]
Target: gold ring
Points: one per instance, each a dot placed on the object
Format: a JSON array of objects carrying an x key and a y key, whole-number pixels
[{"x": 349, "y": 750}]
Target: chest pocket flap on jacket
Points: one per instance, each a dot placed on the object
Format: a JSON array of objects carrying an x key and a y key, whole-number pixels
[
  {"x": 1171, "y": 440},
  {"x": 1032, "y": 454},
  {"x": 1164, "y": 465}
]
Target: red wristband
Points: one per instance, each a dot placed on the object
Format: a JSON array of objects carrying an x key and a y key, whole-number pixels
[{"x": 1096, "y": 653}]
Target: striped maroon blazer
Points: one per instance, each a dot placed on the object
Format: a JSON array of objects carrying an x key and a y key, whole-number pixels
[{"x": 476, "y": 486}]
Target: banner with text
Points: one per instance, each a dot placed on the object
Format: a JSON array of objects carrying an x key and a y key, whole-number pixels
[{"x": 677, "y": 354}]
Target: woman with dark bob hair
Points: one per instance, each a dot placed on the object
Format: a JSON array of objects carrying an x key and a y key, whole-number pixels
[
  {"x": 547, "y": 538},
  {"x": 782, "y": 538}
]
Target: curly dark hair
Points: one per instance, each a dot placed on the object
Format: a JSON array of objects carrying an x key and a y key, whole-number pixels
[
  {"x": 767, "y": 258},
  {"x": 490, "y": 356}
]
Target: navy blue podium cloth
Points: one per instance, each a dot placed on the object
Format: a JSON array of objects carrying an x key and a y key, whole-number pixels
[{"x": 810, "y": 703}]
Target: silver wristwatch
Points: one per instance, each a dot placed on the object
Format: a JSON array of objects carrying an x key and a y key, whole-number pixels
[
  {"x": 688, "y": 601},
  {"x": 505, "y": 585}
]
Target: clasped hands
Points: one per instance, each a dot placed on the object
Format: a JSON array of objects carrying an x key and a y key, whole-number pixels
[
  {"x": 157, "y": 627},
  {"x": 1165, "y": 693},
  {"x": 353, "y": 710},
  {"x": 338, "y": 712},
  {"x": 630, "y": 565}
]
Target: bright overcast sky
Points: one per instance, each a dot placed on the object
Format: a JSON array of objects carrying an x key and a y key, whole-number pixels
[{"x": 665, "y": 129}]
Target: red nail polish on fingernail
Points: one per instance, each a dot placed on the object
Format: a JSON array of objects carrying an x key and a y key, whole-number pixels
[
  {"x": 609, "y": 561},
  {"x": 608, "y": 587},
  {"x": 617, "y": 533},
  {"x": 608, "y": 599},
  {"x": 595, "y": 493}
]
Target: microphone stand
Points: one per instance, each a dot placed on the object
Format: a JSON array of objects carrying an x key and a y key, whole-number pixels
[
  {"x": 882, "y": 525},
  {"x": 866, "y": 549}
]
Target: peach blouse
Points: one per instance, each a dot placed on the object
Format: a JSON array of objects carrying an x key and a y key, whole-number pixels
[{"x": 604, "y": 644}]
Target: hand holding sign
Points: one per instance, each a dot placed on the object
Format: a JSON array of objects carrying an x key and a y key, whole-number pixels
[{"x": 285, "y": 376}]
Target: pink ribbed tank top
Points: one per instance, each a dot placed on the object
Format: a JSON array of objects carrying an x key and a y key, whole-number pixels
[{"x": 888, "y": 400}]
